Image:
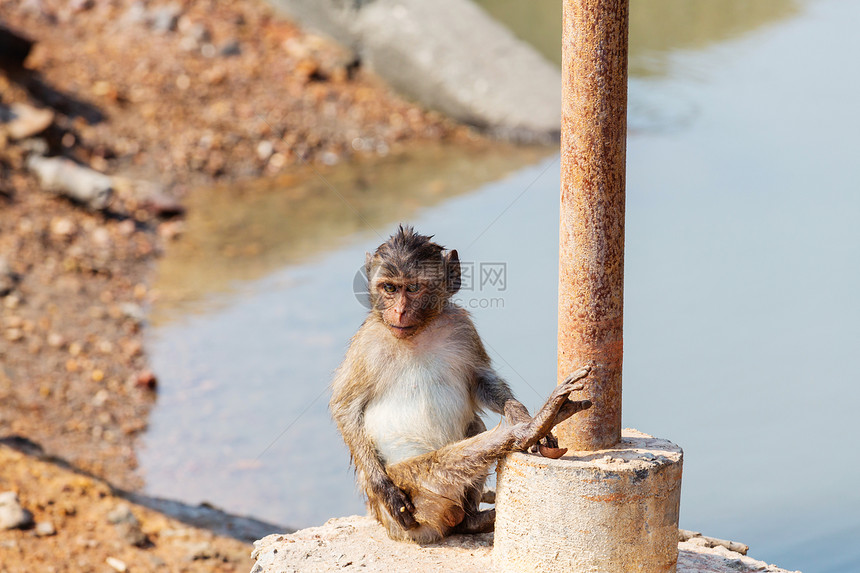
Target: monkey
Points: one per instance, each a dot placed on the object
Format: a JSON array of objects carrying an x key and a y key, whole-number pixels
[{"x": 408, "y": 396}]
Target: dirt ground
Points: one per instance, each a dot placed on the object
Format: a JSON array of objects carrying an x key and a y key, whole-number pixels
[{"x": 162, "y": 97}]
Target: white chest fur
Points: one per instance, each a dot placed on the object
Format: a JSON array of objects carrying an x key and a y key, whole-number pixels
[{"x": 426, "y": 404}]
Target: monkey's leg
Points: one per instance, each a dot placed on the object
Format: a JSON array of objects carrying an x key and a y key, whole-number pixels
[
  {"x": 467, "y": 458},
  {"x": 440, "y": 482},
  {"x": 464, "y": 464},
  {"x": 475, "y": 520}
]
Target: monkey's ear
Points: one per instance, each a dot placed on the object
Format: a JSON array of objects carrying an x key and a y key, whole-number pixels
[
  {"x": 367, "y": 259},
  {"x": 452, "y": 271}
]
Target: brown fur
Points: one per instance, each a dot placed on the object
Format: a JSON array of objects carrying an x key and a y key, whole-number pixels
[{"x": 408, "y": 396}]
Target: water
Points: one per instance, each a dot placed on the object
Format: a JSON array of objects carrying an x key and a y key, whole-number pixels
[{"x": 741, "y": 326}]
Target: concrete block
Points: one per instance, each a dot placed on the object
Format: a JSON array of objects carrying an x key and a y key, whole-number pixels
[
  {"x": 607, "y": 511},
  {"x": 449, "y": 55}
]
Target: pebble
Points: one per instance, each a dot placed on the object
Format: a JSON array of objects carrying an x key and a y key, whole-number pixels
[
  {"x": 230, "y": 48},
  {"x": 164, "y": 18},
  {"x": 170, "y": 230},
  {"x": 127, "y": 526},
  {"x": 81, "y": 5},
  {"x": 101, "y": 237},
  {"x": 132, "y": 310},
  {"x": 56, "y": 340},
  {"x": 77, "y": 182},
  {"x": 45, "y": 529},
  {"x": 100, "y": 398},
  {"x": 117, "y": 564},
  {"x": 208, "y": 50},
  {"x": 26, "y": 121},
  {"x": 12, "y": 514},
  {"x": 8, "y": 279},
  {"x": 62, "y": 226},
  {"x": 146, "y": 379},
  {"x": 14, "y": 334},
  {"x": 265, "y": 149},
  {"x": 35, "y": 145},
  {"x": 200, "y": 550},
  {"x": 126, "y": 228}
]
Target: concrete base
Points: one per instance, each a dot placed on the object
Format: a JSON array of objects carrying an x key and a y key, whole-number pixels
[
  {"x": 614, "y": 510},
  {"x": 359, "y": 543}
]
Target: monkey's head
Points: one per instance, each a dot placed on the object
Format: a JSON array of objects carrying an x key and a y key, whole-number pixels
[{"x": 410, "y": 280}]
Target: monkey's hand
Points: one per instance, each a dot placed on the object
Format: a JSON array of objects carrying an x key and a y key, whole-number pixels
[{"x": 396, "y": 502}]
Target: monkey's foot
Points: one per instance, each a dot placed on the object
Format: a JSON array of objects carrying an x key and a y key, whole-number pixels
[
  {"x": 548, "y": 446},
  {"x": 480, "y": 522},
  {"x": 556, "y": 409},
  {"x": 488, "y": 496}
]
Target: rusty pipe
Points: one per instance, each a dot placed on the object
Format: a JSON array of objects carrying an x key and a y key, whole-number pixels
[{"x": 591, "y": 227}]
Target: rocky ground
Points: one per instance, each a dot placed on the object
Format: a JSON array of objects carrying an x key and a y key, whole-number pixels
[{"x": 145, "y": 100}]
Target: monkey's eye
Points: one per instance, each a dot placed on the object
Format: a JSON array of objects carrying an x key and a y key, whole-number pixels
[
  {"x": 414, "y": 287},
  {"x": 388, "y": 287}
]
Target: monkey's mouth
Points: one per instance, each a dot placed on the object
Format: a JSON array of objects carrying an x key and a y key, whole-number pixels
[{"x": 403, "y": 331}]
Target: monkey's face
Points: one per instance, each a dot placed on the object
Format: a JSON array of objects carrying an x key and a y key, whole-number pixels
[
  {"x": 405, "y": 304},
  {"x": 411, "y": 280}
]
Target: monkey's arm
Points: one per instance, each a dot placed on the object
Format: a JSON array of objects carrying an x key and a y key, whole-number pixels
[
  {"x": 348, "y": 413},
  {"x": 493, "y": 393}
]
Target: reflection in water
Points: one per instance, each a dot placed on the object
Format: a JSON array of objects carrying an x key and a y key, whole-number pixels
[
  {"x": 241, "y": 233},
  {"x": 657, "y": 27}
]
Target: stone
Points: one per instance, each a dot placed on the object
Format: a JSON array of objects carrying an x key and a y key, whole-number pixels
[
  {"x": 200, "y": 551},
  {"x": 8, "y": 279},
  {"x": 12, "y": 514},
  {"x": 45, "y": 529},
  {"x": 117, "y": 564},
  {"x": 81, "y": 5},
  {"x": 22, "y": 121},
  {"x": 127, "y": 526},
  {"x": 164, "y": 19},
  {"x": 230, "y": 48},
  {"x": 77, "y": 182}
]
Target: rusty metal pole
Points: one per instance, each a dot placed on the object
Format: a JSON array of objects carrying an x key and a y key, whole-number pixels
[
  {"x": 615, "y": 513},
  {"x": 591, "y": 237}
]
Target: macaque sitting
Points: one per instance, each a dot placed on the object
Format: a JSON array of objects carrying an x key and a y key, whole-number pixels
[{"x": 407, "y": 398}]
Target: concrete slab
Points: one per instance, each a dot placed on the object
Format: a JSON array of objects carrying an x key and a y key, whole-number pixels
[{"x": 359, "y": 543}]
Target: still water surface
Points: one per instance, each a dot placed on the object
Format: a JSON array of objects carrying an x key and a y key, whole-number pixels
[{"x": 742, "y": 327}]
